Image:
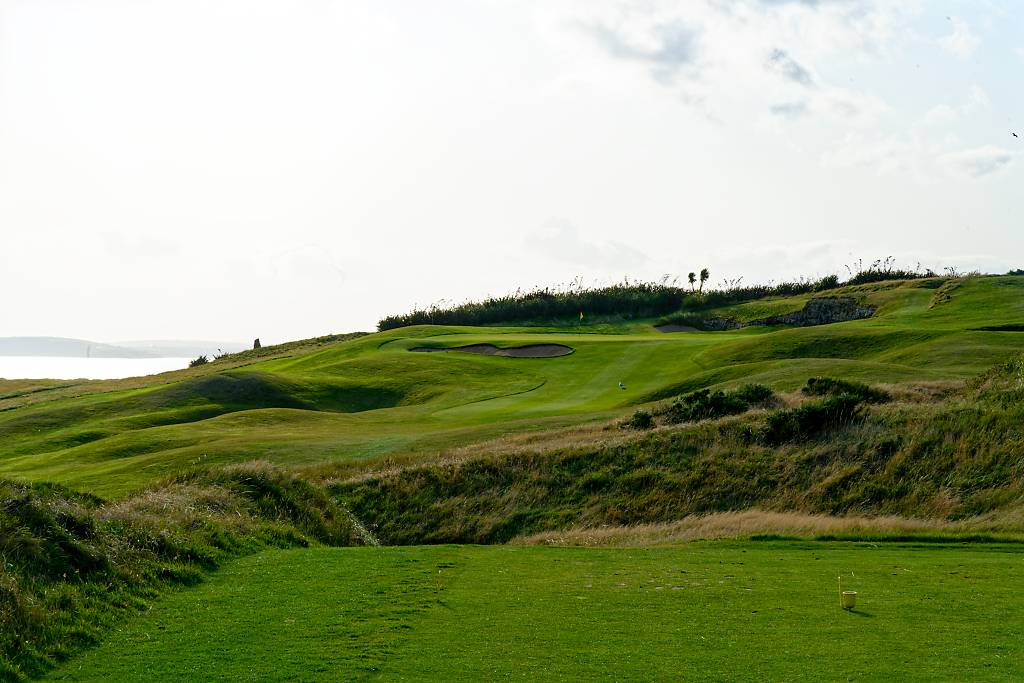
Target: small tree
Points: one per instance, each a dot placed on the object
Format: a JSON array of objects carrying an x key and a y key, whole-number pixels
[
  {"x": 202, "y": 360},
  {"x": 692, "y": 277},
  {"x": 704, "y": 275}
]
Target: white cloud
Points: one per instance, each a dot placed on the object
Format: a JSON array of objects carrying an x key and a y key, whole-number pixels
[
  {"x": 788, "y": 261},
  {"x": 977, "y": 162},
  {"x": 962, "y": 42},
  {"x": 922, "y": 151},
  {"x": 888, "y": 155},
  {"x": 944, "y": 114},
  {"x": 562, "y": 241},
  {"x": 941, "y": 114},
  {"x": 747, "y": 53},
  {"x": 917, "y": 155}
]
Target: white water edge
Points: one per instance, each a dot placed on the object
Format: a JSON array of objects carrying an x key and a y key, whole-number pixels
[{"x": 38, "y": 367}]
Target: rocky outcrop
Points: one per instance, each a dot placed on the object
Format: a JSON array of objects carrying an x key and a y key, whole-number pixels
[
  {"x": 823, "y": 311},
  {"x": 820, "y": 311}
]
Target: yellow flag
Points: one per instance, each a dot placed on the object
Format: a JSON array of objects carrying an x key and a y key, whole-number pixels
[{"x": 581, "y": 315}]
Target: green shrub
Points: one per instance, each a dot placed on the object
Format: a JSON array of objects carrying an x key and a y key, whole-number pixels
[
  {"x": 754, "y": 394},
  {"x": 689, "y": 319},
  {"x": 706, "y": 404},
  {"x": 737, "y": 293},
  {"x": 883, "y": 270},
  {"x": 641, "y": 419},
  {"x": 628, "y": 299},
  {"x": 196, "y": 362},
  {"x": 829, "y": 386},
  {"x": 812, "y": 419}
]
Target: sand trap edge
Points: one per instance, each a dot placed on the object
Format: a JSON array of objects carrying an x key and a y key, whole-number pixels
[
  {"x": 528, "y": 351},
  {"x": 675, "y": 328}
]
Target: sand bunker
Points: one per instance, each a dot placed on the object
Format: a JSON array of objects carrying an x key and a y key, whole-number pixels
[
  {"x": 529, "y": 351},
  {"x": 676, "y": 328}
]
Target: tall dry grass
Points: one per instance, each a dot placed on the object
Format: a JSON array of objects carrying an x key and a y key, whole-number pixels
[{"x": 746, "y": 524}]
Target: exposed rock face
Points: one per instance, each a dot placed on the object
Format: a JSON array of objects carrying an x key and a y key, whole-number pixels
[
  {"x": 821, "y": 311},
  {"x": 718, "y": 324},
  {"x": 256, "y": 343}
]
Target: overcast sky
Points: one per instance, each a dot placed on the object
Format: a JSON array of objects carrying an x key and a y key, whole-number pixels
[{"x": 226, "y": 170}]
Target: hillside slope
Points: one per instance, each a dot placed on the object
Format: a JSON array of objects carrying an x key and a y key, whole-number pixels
[{"x": 369, "y": 396}]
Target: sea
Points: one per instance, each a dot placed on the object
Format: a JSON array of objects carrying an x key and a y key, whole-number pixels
[{"x": 41, "y": 367}]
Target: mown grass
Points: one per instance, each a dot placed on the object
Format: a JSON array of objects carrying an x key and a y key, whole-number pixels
[
  {"x": 722, "y": 611},
  {"x": 72, "y": 565}
]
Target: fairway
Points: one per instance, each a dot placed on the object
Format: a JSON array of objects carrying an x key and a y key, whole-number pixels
[{"x": 706, "y": 611}]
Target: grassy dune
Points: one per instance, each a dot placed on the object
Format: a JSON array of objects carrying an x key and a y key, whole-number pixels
[
  {"x": 367, "y": 397},
  {"x": 74, "y": 566}
]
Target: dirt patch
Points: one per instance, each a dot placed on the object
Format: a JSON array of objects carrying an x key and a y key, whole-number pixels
[
  {"x": 676, "y": 328},
  {"x": 528, "y": 351}
]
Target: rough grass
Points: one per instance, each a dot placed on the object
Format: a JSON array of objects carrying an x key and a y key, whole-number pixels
[
  {"x": 629, "y": 300},
  {"x": 705, "y": 404},
  {"x": 758, "y": 524},
  {"x": 950, "y": 460},
  {"x": 72, "y": 565}
]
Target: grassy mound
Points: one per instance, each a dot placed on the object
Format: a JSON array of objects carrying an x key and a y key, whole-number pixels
[
  {"x": 705, "y": 404},
  {"x": 838, "y": 454},
  {"x": 71, "y": 565}
]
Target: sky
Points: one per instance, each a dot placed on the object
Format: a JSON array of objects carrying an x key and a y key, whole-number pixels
[{"x": 223, "y": 169}]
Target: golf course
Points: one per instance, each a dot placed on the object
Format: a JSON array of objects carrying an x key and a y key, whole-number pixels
[{"x": 606, "y": 496}]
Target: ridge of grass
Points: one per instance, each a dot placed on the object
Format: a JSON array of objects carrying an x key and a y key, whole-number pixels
[
  {"x": 72, "y": 565},
  {"x": 952, "y": 459}
]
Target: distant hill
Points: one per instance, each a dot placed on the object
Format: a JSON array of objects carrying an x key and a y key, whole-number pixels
[
  {"x": 67, "y": 348},
  {"x": 83, "y": 348}
]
